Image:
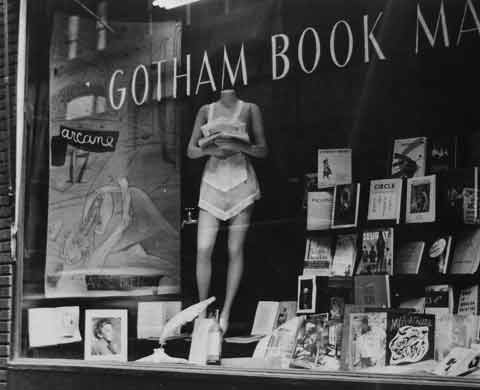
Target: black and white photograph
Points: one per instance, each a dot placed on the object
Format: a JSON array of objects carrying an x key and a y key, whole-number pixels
[
  {"x": 421, "y": 199},
  {"x": 306, "y": 295},
  {"x": 345, "y": 205},
  {"x": 219, "y": 171},
  {"x": 106, "y": 335}
]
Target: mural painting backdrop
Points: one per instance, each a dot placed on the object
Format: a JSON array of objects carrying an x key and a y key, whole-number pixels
[{"x": 114, "y": 196}]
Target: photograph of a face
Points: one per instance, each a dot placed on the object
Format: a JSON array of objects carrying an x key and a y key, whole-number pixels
[
  {"x": 306, "y": 295},
  {"x": 106, "y": 335}
]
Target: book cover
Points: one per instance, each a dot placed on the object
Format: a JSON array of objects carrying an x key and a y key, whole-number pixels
[
  {"x": 306, "y": 294},
  {"x": 376, "y": 256},
  {"x": 460, "y": 361},
  {"x": 410, "y": 338},
  {"x": 372, "y": 290},
  {"x": 367, "y": 339},
  {"x": 318, "y": 256},
  {"x": 470, "y": 206},
  {"x": 436, "y": 257},
  {"x": 310, "y": 184},
  {"x": 453, "y": 184},
  {"x": 334, "y": 167},
  {"x": 442, "y": 153},
  {"x": 271, "y": 314},
  {"x": 439, "y": 299},
  {"x": 384, "y": 202},
  {"x": 278, "y": 348},
  {"x": 468, "y": 301},
  {"x": 319, "y": 209},
  {"x": 409, "y": 157},
  {"x": 454, "y": 331},
  {"x": 421, "y": 199},
  {"x": 345, "y": 255},
  {"x": 345, "y": 205},
  {"x": 415, "y": 304},
  {"x": 466, "y": 255},
  {"x": 409, "y": 258},
  {"x": 311, "y": 344}
]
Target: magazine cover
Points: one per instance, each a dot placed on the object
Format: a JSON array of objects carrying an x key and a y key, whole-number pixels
[
  {"x": 345, "y": 205},
  {"x": 409, "y": 258},
  {"x": 452, "y": 190},
  {"x": 319, "y": 209},
  {"x": 376, "y": 256},
  {"x": 345, "y": 255},
  {"x": 468, "y": 300},
  {"x": 334, "y": 167},
  {"x": 385, "y": 198},
  {"x": 443, "y": 153},
  {"x": 421, "y": 199},
  {"x": 409, "y": 157},
  {"x": 318, "y": 256},
  {"x": 410, "y": 338},
  {"x": 310, "y": 184},
  {"x": 454, "y": 331},
  {"x": 436, "y": 256},
  {"x": 367, "y": 339},
  {"x": 312, "y": 342}
]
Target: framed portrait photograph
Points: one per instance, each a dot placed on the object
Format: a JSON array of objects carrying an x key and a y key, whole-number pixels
[
  {"x": 106, "y": 335},
  {"x": 306, "y": 294}
]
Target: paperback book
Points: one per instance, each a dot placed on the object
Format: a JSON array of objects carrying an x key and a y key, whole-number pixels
[
  {"x": 454, "y": 185},
  {"x": 466, "y": 255},
  {"x": 376, "y": 256},
  {"x": 409, "y": 157},
  {"x": 437, "y": 255},
  {"x": 318, "y": 256},
  {"x": 468, "y": 301},
  {"x": 345, "y": 205},
  {"x": 439, "y": 299},
  {"x": 345, "y": 255},
  {"x": 454, "y": 331},
  {"x": 384, "y": 201},
  {"x": 334, "y": 167},
  {"x": 372, "y": 290},
  {"x": 443, "y": 153},
  {"x": 270, "y": 315},
  {"x": 421, "y": 199},
  {"x": 319, "y": 209},
  {"x": 312, "y": 344},
  {"x": 410, "y": 338},
  {"x": 409, "y": 258}
]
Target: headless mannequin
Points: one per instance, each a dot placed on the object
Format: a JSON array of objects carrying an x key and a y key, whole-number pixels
[{"x": 238, "y": 225}]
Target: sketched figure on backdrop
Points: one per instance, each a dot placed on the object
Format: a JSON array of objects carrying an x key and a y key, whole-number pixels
[{"x": 229, "y": 186}]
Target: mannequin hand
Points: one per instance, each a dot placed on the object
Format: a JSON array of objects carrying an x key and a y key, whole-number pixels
[{"x": 218, "y": 152}]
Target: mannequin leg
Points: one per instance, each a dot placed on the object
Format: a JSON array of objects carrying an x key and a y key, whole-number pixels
[
  {"x": 206, "y": 236},
  {"x": 236, "y": 238}
]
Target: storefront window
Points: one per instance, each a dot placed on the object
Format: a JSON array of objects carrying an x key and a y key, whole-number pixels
[{"x": 308, "y": 170}]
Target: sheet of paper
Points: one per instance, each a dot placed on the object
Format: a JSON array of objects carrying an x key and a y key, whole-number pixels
[
  {"x": 53, "y": 326},
  {"x": 152, "y": 317}
]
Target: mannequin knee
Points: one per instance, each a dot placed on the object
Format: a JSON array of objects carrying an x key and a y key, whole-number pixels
[{"x": 235, "y": 250}]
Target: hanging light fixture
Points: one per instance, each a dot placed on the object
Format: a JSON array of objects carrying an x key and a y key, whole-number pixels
[{"x": 169, "y": 4}]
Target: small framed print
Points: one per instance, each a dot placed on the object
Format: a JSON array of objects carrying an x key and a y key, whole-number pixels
[
  {"x": 421, "y": 196},
  {"x": 106, "y": 335},
  {"x": 345, "y": 205},
  {"x": 306, "y": 294}
]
